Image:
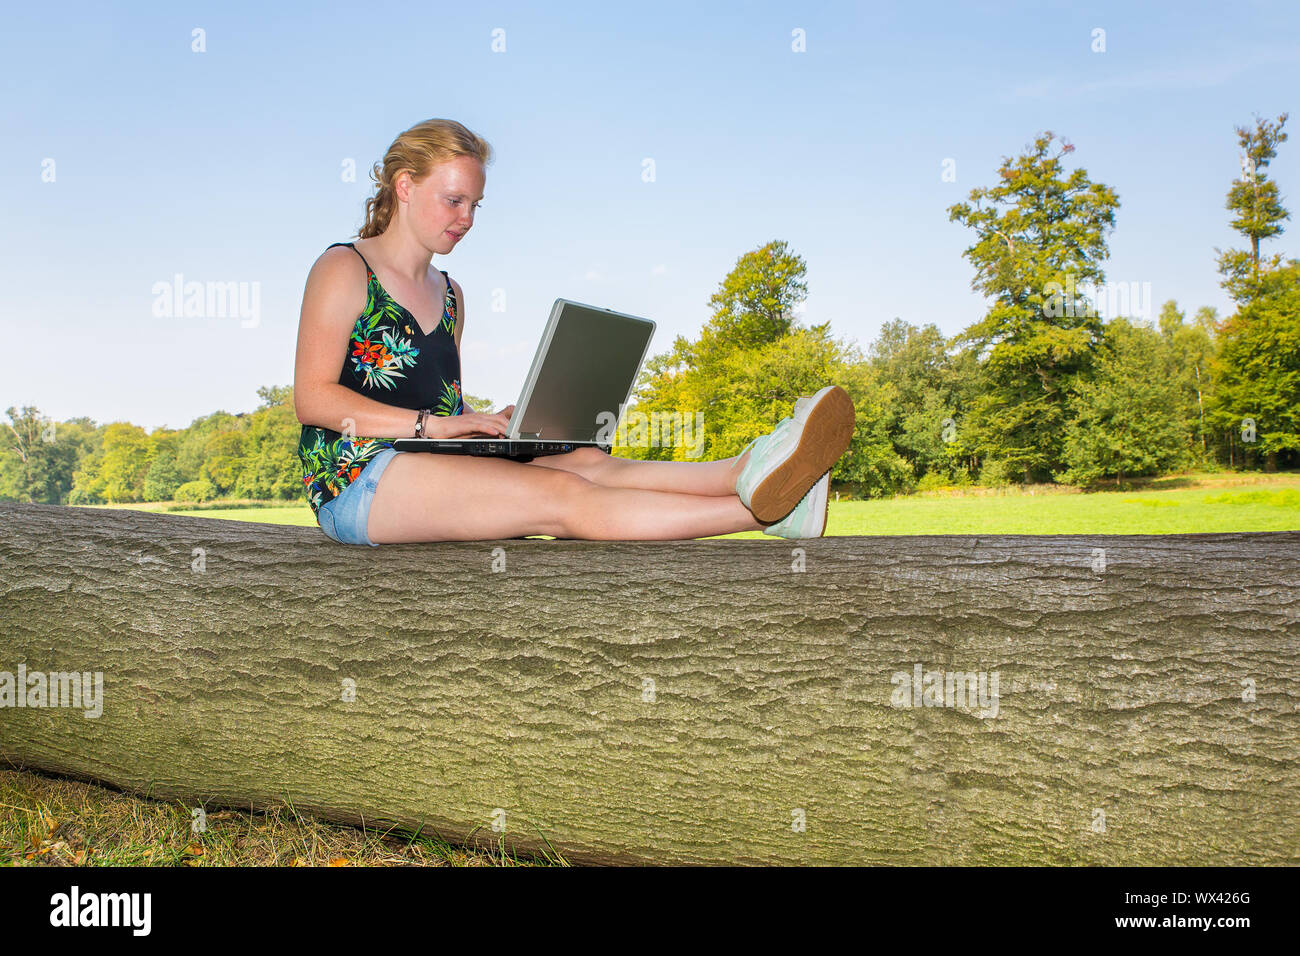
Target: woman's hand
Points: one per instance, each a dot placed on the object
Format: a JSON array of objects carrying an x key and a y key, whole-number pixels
[{"x": 469, "y": 424}]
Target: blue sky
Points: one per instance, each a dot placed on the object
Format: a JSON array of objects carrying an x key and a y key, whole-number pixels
[{"x": 226, "y": 165}]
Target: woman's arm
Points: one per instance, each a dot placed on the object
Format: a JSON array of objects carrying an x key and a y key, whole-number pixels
[
  {"x": 460, "y": 312},
  {"x": 335, "y": 295}
]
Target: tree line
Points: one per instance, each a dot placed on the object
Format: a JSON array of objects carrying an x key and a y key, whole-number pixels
[{"x": 1041, "y": 388}]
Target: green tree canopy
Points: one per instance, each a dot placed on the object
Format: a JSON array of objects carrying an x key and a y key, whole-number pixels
[
  {"x": 1188, "y": 350},
  {"x": 750, "y": 363},
  {"x": 1258, "y": 367},
  {"x": 1125, "y": 417},
  {"x": 1040, "y": 243},
  {"x": 39, "y": 457}
]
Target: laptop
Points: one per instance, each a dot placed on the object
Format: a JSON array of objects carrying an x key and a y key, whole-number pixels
[{"x": 581, "y": 378}]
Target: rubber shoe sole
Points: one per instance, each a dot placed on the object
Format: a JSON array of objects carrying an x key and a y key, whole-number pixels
[
  {"x": 796, "y": 523},
  {"x": 827, "y": 431},
  {"x": 826, "y": 511}
]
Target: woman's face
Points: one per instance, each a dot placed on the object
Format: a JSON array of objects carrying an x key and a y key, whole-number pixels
[{"x": 441, "y": 207}]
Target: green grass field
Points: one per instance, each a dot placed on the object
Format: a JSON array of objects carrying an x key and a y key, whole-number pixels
[
  {"x": 1188, "y": 504},
  {"x": 1183, "y": 511}
]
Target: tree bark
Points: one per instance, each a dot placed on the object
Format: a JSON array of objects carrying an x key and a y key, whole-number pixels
[{"x": 680, "y": 702}]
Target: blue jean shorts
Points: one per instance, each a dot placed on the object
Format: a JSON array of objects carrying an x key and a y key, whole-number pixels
[{"x": 344, "y": 518}]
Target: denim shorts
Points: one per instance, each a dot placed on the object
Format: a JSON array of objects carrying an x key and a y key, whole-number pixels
[{"x": 344, "y": 518}]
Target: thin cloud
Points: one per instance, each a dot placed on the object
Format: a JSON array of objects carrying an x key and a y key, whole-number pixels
[{"x": 1178, "y": 78}]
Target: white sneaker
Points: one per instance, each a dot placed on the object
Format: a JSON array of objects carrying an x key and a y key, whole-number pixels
[
  {"x": 808, "y": 519},
  {"x": 784, "y": 464}
]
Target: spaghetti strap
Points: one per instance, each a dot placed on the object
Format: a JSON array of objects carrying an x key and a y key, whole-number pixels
[
  {"x": 450, "y": 291},
  {"x": 354, "y": 249}
]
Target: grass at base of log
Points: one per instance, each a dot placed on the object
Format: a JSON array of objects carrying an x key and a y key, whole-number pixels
[
  {"x": 48, "y": 821},
  {"x": 1212, "y": 504},
  {"x": 1181, "y": 511}
]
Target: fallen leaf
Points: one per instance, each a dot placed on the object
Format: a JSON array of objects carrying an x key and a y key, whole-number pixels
[{"x": 339, "y": 861}]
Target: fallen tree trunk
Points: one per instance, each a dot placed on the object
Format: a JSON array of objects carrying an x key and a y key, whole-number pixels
[{"x": 1130, "y": 699}]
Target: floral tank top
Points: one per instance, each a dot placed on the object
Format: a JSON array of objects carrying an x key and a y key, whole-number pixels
[{"x": 392, "y": 361}]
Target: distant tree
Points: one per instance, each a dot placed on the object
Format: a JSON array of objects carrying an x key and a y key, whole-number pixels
[
  {"x": 223, "y": 455},
  {"x": 273, "y": 395},
  {"x": 162, "y": 479},
  {"x": 38, "y": 459},
  {"x": 1258, "y": 208},
  {"x": 125, "y": 462},
  {"x": 1258, "y": 369},
  {"x": 755, "y": 302},
  {"x": 202, "y": 490},
  {"x": 872, "y": 462},
  {"x": 756, "y": 387},
  {"x": 268, "y": 468},
  {"x": 1257, "y": 394},
  {"x": 1125, "y": 417},
  {"x": 1189, "y": 352},
  {"x": 931, "y": 388},
  {"x": 1040, "y": 243},
  {"x": 750, "y": 364},
  {"x": 87, "y": 481}
]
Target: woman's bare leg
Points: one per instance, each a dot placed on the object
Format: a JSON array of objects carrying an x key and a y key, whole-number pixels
[
  {"x": 424, "y": 497},
  {"x": 685, "y": 477}
]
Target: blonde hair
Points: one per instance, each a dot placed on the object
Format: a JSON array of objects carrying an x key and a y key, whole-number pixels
[{"x": 416, "y": 151}]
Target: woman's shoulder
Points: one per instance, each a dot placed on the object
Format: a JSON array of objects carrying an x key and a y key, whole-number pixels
[
  {"x": 337, "y": 285},
  {"x": 343, "y": 255},
  {"x": 337, "y": 268}
]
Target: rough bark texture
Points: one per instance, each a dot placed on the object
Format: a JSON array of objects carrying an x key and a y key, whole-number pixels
[{"x": 523, "y": 697}]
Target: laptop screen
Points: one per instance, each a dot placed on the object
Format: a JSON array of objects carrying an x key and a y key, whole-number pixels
[{"x": 586, "y": 364}]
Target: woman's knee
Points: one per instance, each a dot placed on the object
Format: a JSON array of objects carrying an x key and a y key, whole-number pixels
[
  {"x": 589, "y": 454},
  {"x": 586, "y": 461},
  {"x": 570, "y": 496}
]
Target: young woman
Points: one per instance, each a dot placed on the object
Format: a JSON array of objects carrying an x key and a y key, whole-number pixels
[{"x": 379, "y": 354}]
